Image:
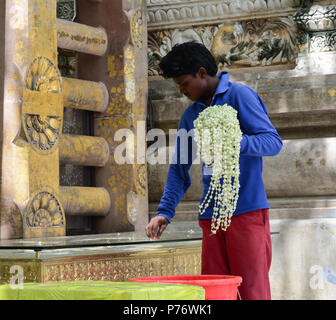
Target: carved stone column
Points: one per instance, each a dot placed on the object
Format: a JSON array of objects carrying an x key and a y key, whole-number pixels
[{"x": 31, "y": 117}]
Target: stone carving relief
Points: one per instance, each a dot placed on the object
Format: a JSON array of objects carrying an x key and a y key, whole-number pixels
[
  {"x": 316, "y": 18},
  {"x": 43, "y": 76},
  {"x": 323, "y": 42},
  {"x": 44, "y": 210},
  {"x": 256, "y": 43},
  {"x": 248, "y": 43},
  {"x": 163, "y": 12},
  {"x": 137, "y": 28},
  {"x": 66, "y": 9},
  {"x": 317, "y": 28},
  {"x": 43, "y": 131}
]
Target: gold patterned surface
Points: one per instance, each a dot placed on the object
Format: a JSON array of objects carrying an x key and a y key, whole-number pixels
[
  {"x": 137, "y": 28},
  {"x": 33, "y": 115},
  {"x": 140, "y": 181},
  {"x": 164, "y": 260},
  {"x": 129, "y": 71},
  {"x": 32, "y": 270}
]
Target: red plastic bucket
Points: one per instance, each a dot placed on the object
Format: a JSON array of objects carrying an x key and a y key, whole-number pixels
[{"x": 217, "y": 287}]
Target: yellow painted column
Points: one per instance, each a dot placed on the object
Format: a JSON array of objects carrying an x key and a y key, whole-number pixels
[
  {"x": 33, "y": 112},
  {"x": 84, "y": 150},
  {"x": 88, "y": 201},
  {"x": 85, "y": 95},
  {"x": 81, "y": 38},
  {"x": 42, "y": 120}
]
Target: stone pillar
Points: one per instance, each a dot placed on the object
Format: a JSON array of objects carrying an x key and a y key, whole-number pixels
[
  {"x": 123, "y": 69},
  {"x": 31, "y": 118}
]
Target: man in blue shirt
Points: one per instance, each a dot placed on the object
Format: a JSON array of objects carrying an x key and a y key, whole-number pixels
[{"x": 244, "y": 249}]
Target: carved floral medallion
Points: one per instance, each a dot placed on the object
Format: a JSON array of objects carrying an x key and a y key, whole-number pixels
[
  {"x": 43, "y": 131},
  {"x": 43, "y": 76},
  {"x": 44, "y": 210}
]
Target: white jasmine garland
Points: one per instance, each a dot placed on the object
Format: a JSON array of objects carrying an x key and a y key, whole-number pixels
[{"x": 218, "y": 135}]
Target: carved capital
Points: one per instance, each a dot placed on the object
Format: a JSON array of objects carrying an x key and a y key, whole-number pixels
[{"x": 316, "y": 18}]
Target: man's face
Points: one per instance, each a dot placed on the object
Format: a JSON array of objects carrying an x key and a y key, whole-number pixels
[{"x": 191, "y": 86}]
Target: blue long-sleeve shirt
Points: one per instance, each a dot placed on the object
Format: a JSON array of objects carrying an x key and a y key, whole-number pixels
[{"x": 259, "y": 139}]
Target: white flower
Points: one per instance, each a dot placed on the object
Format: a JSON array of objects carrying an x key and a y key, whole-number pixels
[{"x": 218, "y": 135}]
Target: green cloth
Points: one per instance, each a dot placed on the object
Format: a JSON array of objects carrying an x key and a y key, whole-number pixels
[{"x": 102, "y": 290}]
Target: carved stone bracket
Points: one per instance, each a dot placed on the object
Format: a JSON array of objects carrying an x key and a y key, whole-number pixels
[{"x": 317, "y": 28}]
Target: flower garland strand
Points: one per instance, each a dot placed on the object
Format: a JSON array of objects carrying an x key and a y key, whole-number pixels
[{"x": 218, "y": 135}]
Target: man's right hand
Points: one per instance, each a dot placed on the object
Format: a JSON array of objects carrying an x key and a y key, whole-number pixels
[{"x": 156, "y": 226}]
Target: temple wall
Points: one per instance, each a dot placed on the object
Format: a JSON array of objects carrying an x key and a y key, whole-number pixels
[{"x": 298, "y": 86}]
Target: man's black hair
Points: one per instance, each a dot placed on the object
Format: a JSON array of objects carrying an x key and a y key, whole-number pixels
[{"x": 187, "y": 58}]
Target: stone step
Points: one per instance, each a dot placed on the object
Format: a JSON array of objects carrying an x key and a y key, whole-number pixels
[{"x": 281, "y": 208}]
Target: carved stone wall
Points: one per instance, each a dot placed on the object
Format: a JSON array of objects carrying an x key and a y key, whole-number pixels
[
  {"x": 297, "y": 84},
  {"x": 227, "y": 29},
  {"x": 300, "y": 101}
]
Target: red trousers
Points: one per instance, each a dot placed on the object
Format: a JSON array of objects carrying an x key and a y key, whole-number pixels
[{"x": 244, "y": 249}]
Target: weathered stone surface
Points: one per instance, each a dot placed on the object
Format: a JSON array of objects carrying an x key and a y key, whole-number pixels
[
  {"x": 304, "y": 167},
  {"x": 280, "y": 94},
  {"x": 303, "y": 259}
]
